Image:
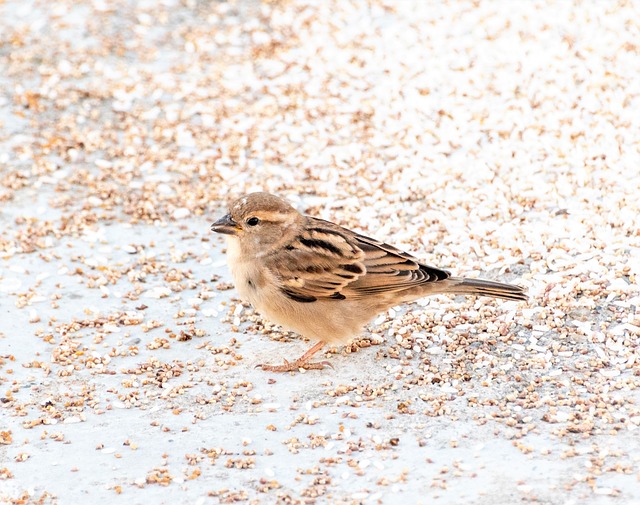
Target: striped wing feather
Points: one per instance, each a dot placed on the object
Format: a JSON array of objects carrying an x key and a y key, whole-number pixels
[
  {"x": 329, "y": 262},
  {"x": 390, "y": 269}
]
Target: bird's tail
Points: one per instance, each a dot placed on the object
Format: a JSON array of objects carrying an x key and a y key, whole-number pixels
[{"x": 481, "y": 287}]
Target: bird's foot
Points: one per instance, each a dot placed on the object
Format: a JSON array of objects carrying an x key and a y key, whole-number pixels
[{"x": 295, "y": 366}]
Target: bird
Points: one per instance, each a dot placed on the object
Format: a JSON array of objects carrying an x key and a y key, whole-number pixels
[{"x": 323, "y": 281}]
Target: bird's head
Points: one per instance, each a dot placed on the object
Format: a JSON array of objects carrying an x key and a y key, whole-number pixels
[{"x": 259, "y": 221}]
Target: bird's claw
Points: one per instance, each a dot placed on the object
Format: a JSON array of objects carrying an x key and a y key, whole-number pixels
[{"x": 295, "y": 366}]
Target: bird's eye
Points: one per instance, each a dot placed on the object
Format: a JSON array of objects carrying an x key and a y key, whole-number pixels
[{"x": 252, "y": 221}]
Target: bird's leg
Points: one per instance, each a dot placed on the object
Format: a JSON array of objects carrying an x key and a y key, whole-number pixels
[{"x": 301, "y": 362}]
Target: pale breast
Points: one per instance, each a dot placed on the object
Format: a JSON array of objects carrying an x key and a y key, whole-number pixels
[
  {"x": 248, "y": 278},
  {"x": 335, "y": 321}
]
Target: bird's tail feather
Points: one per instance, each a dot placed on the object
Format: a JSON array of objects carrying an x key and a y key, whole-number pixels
[{"x": 481, "y": 287}]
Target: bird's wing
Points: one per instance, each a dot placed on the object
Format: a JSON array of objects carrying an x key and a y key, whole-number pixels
[
  {"x": 389, "y": 269},
  {"x": 329, "y": 262}
]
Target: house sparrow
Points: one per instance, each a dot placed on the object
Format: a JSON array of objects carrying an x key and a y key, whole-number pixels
[{"x": 321, "y": 280}]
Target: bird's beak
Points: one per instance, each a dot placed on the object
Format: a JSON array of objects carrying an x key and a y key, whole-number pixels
[{"x": 225, "y": 225}]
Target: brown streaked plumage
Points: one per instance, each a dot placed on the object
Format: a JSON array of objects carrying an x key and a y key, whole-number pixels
[{"x": 324, "y": 281}]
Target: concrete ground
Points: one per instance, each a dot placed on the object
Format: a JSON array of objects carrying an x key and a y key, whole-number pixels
[{"x": 494, "y": 139}]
